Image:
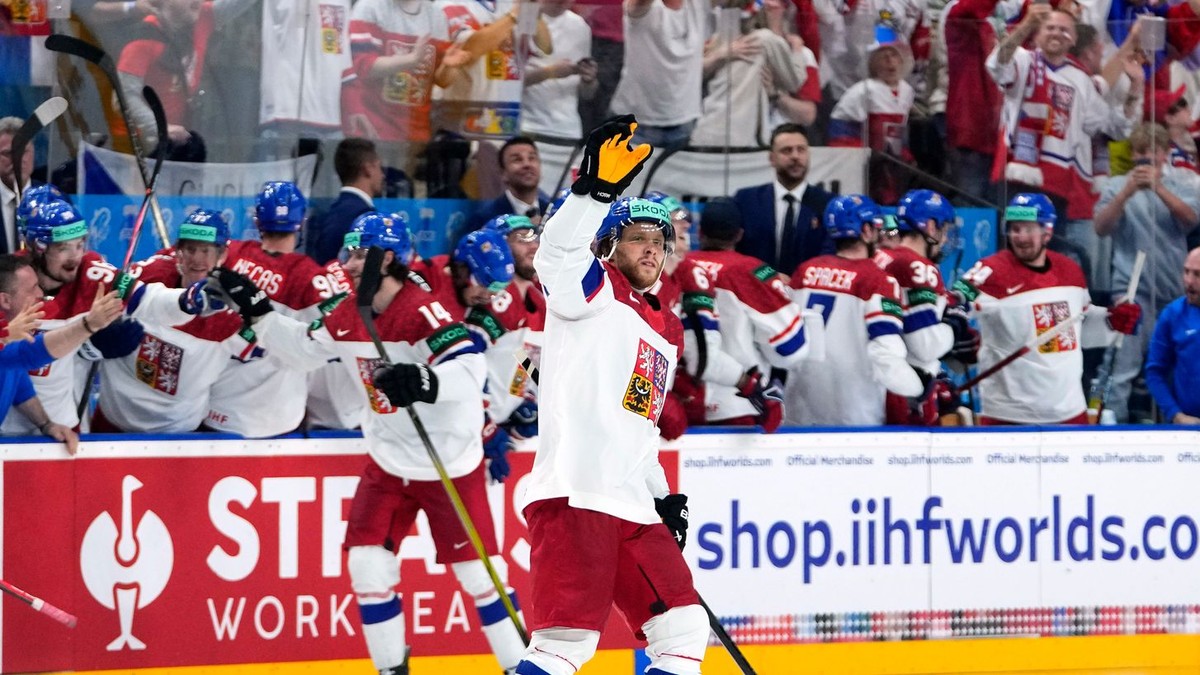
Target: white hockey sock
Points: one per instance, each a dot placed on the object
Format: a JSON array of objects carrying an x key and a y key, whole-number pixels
[
  {"x": 383, "y": 629},
  {"x": 499, "y": 630}
]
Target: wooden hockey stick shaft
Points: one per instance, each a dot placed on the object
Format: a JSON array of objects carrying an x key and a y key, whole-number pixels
[
  {"x": 65, "y": 618},
  {"x": 368, "y": 285}
]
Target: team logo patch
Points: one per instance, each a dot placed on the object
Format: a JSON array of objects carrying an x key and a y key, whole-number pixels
[
  {"x": 158, "y": 364},
  {"x": 1046, "y": 316},
  {"x": 647, "y": 389},
  {"x": 379, "y": 400}
]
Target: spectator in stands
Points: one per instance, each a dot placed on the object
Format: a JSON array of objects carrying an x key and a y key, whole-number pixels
[
  {"x": 1173, "y": 365},
  {"x": 661, "y": 82},
  {"x": 781, "y": 18},
  {"x": 168, "y": 54},
  {"x": 521, "y": 173},
  {"x": 736, "y": 66},
  {"x": 782, "y": 219},
  {"x": 113, "y": 22},
  {"x": 9, "y": 240},
  {"x": 972, "y": 102},
  {"x": 19, "y": 303},
  {"x": 1051, "y": 110},
  {"x": 360, "y": 169},
  {"x": 1152, "y": 208},
  {"x": 1171, "y": 109},
  {"x": 556, "y": 84},
  {"x": 605, "y": 18},
  {"x": 873, "y": 113}
]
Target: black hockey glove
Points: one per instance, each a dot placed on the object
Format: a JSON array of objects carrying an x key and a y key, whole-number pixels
[
  {"x": 119, "y": 338},
  {"x": 609, "y": 165},
  {"x": 239, "y": 293},
  {"x": 673, "y": 511},
  {"x": 965, "y": 349},
  {"x": 407, "y": 383}
]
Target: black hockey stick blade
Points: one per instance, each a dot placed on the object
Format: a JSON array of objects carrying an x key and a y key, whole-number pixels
[
  {"x": 730, "y": 646},
  {"x": 84, "y": 50},
  {"x": 42, "y": 116}
]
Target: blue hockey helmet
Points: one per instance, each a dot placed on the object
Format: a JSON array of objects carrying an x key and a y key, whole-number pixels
[
  {"x": 559, "y": 200},
  {"x": 486, "y": 254},
  {"x": 1031, "y": 207},
  {"x": 387, "y": 232},
  {"x": 280, "y": 207},
  {"x": 627, "y": 211},
  {"x": 33, "y": 197},
  {"x": 205, "y": 225},
  {"x": 52, "y": 222},
  {"x": 918, "y": 208},
  {"x": 510, "y": 223},
  {"x": 675, "y": 207},
  {"x": 846, "y": 215}
]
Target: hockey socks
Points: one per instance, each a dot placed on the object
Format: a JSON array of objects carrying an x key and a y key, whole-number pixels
[
  {"x": 383, "y": 629},
  {"x": 500, "y": 632}
]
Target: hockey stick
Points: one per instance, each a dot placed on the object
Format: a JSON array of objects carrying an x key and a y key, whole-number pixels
[
  {"x": 160, "y": 154},
  {"x": 39, "y": 605},
  {"x": 93, "y": 54},
  {"x": 43, "y": 115},
  {"x": 713, "y": 622},
  {"x": 365, "y": 294},
  {"x": 1098, "y": 397}
]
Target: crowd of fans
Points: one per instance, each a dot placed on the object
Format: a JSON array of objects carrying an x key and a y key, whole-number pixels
[{"x": 1071, "y": 114}]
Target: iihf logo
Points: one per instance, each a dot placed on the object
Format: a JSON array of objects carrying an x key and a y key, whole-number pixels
[{"x": 127, "y": 569}]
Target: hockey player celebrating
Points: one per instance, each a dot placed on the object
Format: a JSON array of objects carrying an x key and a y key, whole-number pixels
[
  {"x": 255, "y": 396},
  {"x": 68, "y": 274},
  {"x": 930, "y": 332},
  {"x": 597, "y": 496},
  {"x": 439, "y": 370},
  {"x": 863, "y": 322},
  {"x": 1020, "y": 293},
  {"x": 760, "y": 327}
]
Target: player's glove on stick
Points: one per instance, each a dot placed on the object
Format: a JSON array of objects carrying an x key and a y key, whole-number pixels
[
  {"x": 199, "y": 298},
  {"x": 965, "y": 349},
  {"x": 119, "y": 338},
  {"x": 523, "y": 422},
  {"x": 1125, "y": 317},
  {"x": 236, "y": 291},
  {"x": 407, "y": 383},
  {"x": 609, "y": 165},
  {"x": 673, "y": 511},
  {"x": 496, "y": 444}
]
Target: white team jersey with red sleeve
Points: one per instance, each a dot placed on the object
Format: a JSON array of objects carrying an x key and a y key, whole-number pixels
[
  {"x": 59, "y": 386},
  {"x": 608, "y": 360},
  {"x": 1014, "y": 304},
  {"x": 873, "y": 112},
  {"x": 760, "y": 326},
  {"x": 415, "y": 328},
  {"x": 493, "y": 82},
  {"x": 923, "y": 300},
  {"x": 305, "y": 50},
  {"x": 259, "y": 396},
  {"x": 333, "y": 396},
  {"x": 866, "y": 357}
]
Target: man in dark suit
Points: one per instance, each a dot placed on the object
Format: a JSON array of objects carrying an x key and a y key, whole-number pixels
[
  {"x": 360, "y": 169},
  {"x": 521, "y": 172},
  {"x": 782, "y": 219},
  {"x": 9, "y": 242}
]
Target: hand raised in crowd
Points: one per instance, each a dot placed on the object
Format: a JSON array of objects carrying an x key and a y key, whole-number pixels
[
  {"x": 1036, "y": 12},
  {"x": 106, "y": 308},
  {"x": 24, "y": 324}
]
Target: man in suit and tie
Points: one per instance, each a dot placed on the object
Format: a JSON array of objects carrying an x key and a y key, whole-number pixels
[
  {"x": 9, "y": 241},
  {"x": 360, "y": 169},
  {"x": 520, "y": 172},
  {"x": 782, "y": 219}
]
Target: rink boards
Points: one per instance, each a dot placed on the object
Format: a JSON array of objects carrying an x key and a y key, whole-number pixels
[{"x": 896, "y": 552}]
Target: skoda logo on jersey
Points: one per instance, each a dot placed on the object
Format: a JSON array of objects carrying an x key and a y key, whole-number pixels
[{"x": 126, "y": 568}]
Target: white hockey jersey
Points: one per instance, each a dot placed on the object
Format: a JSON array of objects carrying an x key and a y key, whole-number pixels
[
  {"x": 863, "y": 324},
  {"x": 608, "y": 359},
  {"x": 305, "y": 50}
]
